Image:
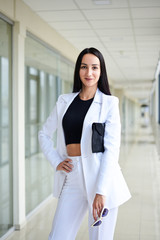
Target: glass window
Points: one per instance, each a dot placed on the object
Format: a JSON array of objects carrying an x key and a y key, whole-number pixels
[
  {"x": 66, "y": 73},
  {"x": 40, "y": 97},
  {"x": 46, "y": 77},
  {"x": 159, "y": 98},
  {"x": 42, "y": 103},
  {"x": 33, "y": 100},
  {"x": 6, "y": 179}
]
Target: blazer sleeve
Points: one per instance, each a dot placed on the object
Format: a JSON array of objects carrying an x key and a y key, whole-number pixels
[
  {"x": 109, "y": 160},
  {"x": 45, "y": 137}
]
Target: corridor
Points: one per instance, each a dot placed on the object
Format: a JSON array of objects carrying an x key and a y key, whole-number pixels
[{"x": 40, "y": 42}]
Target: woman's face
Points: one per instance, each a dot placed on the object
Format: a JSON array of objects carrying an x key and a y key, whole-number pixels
[{"x": 90, "y": 70}]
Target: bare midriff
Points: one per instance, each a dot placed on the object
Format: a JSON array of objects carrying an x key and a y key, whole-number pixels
[{"x": 74, "y": 149}]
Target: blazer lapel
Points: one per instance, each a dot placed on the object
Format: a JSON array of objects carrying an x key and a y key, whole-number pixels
[
  {"x": 93, "y": 115},
  {"x": 67, "y": 103}
]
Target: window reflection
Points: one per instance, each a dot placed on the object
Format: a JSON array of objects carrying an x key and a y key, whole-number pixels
[
  {"x": 33, "y": 100},
  {"x": 5, "y": 90},
  {"x": 6, "y": 187},
  {"x": 46, "y": 77}
]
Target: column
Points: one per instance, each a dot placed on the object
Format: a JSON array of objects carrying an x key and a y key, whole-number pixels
[{"x": 18, "y": 125}]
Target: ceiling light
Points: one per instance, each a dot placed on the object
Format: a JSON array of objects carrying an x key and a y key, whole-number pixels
[{"x": 102, "y": 2}]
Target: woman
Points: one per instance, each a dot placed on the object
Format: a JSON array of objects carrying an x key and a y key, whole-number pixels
[{"x": 84, "y": 178}]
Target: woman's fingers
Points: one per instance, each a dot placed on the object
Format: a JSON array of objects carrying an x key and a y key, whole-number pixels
[
  {"x": 98, "y": 205},
  {"x": 95, "y": 214},
  {"x": 97, "y": 211},
  {"x": 65, "y": 165}
]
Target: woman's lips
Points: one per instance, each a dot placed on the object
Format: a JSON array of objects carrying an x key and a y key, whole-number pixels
[{"x": 89, "y": 79}]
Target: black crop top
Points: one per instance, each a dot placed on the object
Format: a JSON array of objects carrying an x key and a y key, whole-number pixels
[{"x": 73, "y": 120}]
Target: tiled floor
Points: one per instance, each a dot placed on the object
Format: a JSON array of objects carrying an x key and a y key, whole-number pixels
[{"x": 139, "y": 218}]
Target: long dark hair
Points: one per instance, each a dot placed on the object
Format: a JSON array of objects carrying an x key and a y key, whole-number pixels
[{"x": 103, "y": 84}]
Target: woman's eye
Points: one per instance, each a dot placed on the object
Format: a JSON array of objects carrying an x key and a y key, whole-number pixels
[
  {"x": 83, "y": 67},
  {"x": 94, "y": 68}
]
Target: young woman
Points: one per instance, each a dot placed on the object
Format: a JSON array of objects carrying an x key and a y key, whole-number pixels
[{"x": 86, "y": 178}]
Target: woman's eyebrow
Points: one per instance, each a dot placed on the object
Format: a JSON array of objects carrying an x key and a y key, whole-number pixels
[{"x": 92, "y": 64}]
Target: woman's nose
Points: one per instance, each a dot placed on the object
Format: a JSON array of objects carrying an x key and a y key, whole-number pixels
[{"x": 89, "y": 71}]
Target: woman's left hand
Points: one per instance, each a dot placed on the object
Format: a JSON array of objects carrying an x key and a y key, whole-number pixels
[{"x": 98, "y": 204}]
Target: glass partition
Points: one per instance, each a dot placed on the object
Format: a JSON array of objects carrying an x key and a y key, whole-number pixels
[
  {"x": 46, "y": 76},
  {"x": 6, "y": 179}
]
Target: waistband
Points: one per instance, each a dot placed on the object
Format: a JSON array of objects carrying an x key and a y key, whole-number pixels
[{"x": 75, "y": 158}]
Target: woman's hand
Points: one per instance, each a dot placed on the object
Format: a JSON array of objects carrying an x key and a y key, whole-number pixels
[
  {"x": 98, "y": 204},
  {"x": 65, "y": 166}
]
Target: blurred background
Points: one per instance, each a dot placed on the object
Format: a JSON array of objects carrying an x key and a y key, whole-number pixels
[{"x": 39, "y": 43}]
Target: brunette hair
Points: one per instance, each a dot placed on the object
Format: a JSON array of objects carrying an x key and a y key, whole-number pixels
[{"x": 103, "y": 84}]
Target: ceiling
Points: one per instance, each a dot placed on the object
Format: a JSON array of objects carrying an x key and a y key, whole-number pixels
[{"x": 127, "y": 32}]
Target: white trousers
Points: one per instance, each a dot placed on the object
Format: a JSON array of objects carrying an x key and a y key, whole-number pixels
[{"x": 72, "y": 207}]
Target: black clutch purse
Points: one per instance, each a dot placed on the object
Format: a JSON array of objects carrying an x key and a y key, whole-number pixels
[{"x": 98, "y": 130}]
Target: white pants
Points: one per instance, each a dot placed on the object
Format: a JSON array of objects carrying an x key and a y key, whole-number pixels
[{"x": 72, "y": 207}]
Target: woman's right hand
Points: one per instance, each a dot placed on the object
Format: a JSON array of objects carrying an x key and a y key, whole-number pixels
[{"x": 65, "y": 166}]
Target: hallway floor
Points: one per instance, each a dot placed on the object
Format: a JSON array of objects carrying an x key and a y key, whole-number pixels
[{"x": 139, "y": 218}]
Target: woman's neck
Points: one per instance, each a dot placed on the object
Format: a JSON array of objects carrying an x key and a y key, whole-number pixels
[{"x": 87, "y": 93}]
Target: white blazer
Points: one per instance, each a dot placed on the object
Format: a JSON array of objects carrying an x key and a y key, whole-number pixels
[{"x": 102, "y": 173}]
